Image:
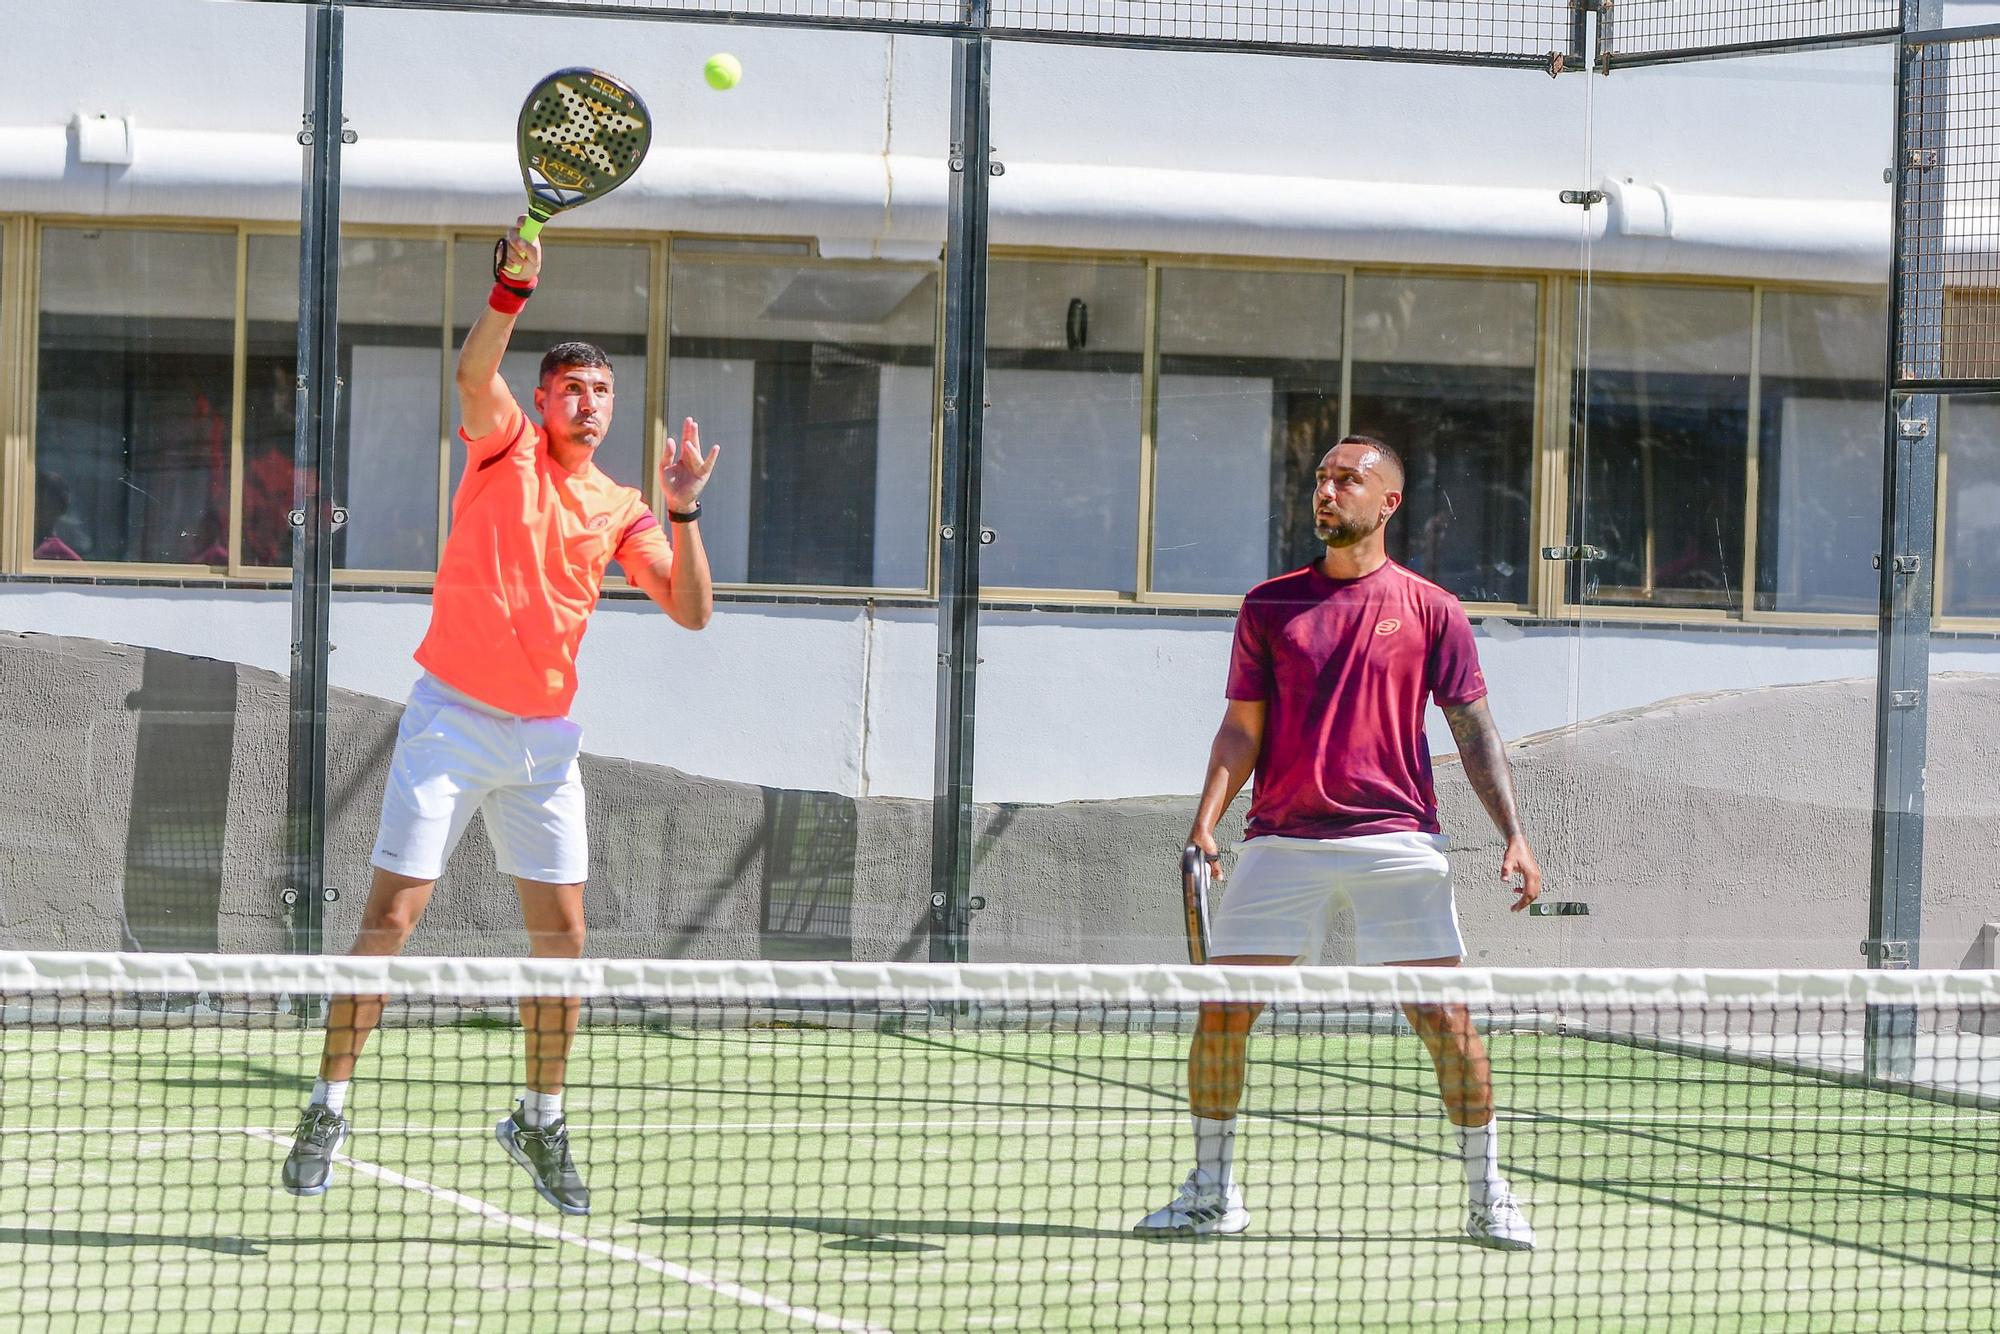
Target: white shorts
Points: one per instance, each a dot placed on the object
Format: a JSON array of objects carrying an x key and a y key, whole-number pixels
[
  {"x": 1399, "y": 886},
  {"x": 455, "y": 755}
]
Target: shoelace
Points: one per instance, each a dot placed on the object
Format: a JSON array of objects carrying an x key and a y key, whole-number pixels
[
  {"x": 318, "y": 1128},
  {"x": 553, "y": 1140}
]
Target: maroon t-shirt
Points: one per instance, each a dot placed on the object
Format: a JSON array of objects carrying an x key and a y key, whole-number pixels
[{"x": 1344, "y": 668}]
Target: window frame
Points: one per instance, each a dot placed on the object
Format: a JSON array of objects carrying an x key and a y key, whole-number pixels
[
  {"x": 662, "y": 350},
  {"x": 1561, "y": 608},
  {"x": 28, "y": 297},
  {"x": 1554, "y": 449},
  {"x": 15, "y": 273}
]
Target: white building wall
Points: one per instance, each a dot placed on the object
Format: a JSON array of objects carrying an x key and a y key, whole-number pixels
[
  {"x": 841, "y": 698},
  {"x": 842, "y": 136}
]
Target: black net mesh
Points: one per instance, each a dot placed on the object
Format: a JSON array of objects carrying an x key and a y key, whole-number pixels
[
  {"x": 1490, "y": 31},
  {"x": 1949, "y": 305},
  {"x": 870, "y": 1147},
  {"x": 1642, "y": 31}
]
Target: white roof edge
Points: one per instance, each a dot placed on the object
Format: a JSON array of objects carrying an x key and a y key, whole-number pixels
[{"x": 868, "y": 204}]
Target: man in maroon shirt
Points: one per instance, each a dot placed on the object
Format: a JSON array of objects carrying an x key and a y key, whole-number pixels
[{"x": 1328, "y": 681}]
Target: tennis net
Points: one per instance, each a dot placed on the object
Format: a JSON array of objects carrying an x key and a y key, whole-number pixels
[{"x": 914, "y": 1147}]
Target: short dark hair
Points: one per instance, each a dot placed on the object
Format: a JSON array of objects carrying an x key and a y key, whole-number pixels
[
  {"x": 564, "y": 356},
  {"x": 1381, "y": 447}
]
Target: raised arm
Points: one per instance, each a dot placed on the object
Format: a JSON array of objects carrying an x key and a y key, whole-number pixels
[
  {"x": 1485, "y": 757},
  {"x": 1232, "y": 758},
  {"x": 483, "y": 397},
  {"x": 677, "y": 580}
]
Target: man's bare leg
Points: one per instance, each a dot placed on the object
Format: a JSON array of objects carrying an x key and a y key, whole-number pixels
[
  {"x": 1221, "y": 1036},
  {"x": 536, "y": 1135},
  {"x": 553, "y": 915},
  {"x": 396, "y": 904},
  {"x": 1209, "y": 1201},
  {"x": 1465, "y": 1081}
]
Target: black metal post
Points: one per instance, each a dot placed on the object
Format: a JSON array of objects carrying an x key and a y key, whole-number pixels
[
  {"x": 312, "y": 515},
  {"x": 959, "y": 533},
  {"x": 1909, "y": 530}
]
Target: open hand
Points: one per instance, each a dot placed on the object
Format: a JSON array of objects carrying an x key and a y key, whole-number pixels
[{"x": 683, "y": 470}]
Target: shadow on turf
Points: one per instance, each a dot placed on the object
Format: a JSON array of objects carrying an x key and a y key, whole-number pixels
[
  {"x": 890, "y": 1234},
  {"x": 57, "y": 1236}
]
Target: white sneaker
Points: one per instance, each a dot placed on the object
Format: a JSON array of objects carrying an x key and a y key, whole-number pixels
[
  {"x": 1499, "y": 1223},
  {"x": 1202, "y": 1207}
]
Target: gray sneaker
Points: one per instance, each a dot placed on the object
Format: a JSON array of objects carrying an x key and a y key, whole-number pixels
[
  {"x": 544, "y": 1152},
  {"x": 309, "y": 1166}
]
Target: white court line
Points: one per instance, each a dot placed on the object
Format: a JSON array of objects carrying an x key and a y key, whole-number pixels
[{"x": 692, "y": 1277}]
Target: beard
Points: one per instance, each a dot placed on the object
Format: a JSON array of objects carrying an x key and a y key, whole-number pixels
[{"x": 1343, "y": 532}]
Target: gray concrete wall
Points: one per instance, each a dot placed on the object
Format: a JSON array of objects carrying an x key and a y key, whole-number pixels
[{"x": 1728, "y": 829}]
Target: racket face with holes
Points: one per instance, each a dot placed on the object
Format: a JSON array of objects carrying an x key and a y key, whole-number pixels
[{"x": 581, "y": 135}]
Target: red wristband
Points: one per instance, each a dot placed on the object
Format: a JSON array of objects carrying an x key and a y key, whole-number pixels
[{"x": 510, "y": 298}]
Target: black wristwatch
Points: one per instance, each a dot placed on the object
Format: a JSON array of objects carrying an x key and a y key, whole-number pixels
[{"x": 685, "y": 516}]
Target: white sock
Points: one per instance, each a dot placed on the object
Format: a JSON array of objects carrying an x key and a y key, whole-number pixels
[
  {"x": 540, "y": 1109},
  {"x": 331, "y": 1095},
  {"x": 1215, "y": 1149},
  {"x": 1479, "y": 1146}
]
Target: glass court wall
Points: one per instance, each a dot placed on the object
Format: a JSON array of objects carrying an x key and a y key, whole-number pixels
[
  {"x": 145, "y": 677},
  {"x": 754, "y": 788},
  {"x": 1642, "y": 443}
]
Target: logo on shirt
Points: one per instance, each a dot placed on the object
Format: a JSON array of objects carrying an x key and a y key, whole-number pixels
[
  {"x": 598, "y": 523},
  {"x": 1388, "y": 627}
]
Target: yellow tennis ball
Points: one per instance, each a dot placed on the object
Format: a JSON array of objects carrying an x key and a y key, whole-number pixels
[{"x": 723, "y": 71}]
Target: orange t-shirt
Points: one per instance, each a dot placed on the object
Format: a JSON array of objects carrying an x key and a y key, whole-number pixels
[{"x": 523, "y": 566}]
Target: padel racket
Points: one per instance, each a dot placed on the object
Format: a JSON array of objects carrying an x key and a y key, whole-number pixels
[
  {"x": 581, "y": 135},
  {"x": 1194, "y": 898}
]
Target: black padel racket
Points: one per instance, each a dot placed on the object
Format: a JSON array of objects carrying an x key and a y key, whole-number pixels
[
  {"x": 581, "y": 135},
  {"x": 1194, "y": 898}
]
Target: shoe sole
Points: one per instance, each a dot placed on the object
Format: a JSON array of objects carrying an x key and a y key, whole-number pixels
[
  {"x": 308, "y": 1192},
  {"x": 1493, "y": 1243},
  {"x": 1221, "y": 1227},
  {"x": 504, "y": 1132}
]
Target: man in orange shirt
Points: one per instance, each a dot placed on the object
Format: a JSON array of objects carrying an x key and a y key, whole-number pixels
[{"x": 534, "y": 525}]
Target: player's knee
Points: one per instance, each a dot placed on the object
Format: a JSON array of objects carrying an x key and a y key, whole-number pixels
[
  {"x": 564, "y": 941},
  {"x": 387, "y": 926}
]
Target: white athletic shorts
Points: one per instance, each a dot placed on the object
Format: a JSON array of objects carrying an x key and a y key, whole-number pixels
[
  {"x": 1278, "y": 898},
  {"x": 455, "y": 755}
]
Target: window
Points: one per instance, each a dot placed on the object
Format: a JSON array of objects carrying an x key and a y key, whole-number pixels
[
  {"x": 1444, "y": 372},
  {"x": 1820, "y": 431},
  {"x": 817, "y": 380},
  {"x": 1659, "y": 478},
  {"x": 1971, "y": 517},
  {"x": 132, "y": 411},
  {"x": 385, "y": 465},
  {"x": 1060, "y": 486},
  {"x": 1249, "y": 399}
]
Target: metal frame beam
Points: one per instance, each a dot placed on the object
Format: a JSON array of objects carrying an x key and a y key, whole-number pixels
[
  {"x": 1909, "y": 539},
  {"x": 960, "y": 534},
  {"x": 313, "y": 447}
]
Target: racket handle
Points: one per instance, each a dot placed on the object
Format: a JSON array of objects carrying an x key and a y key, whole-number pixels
[{"x": 530, "y": 229}]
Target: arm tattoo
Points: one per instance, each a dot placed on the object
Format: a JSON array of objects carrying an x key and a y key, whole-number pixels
[{"x": 1485, "y": 757}]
